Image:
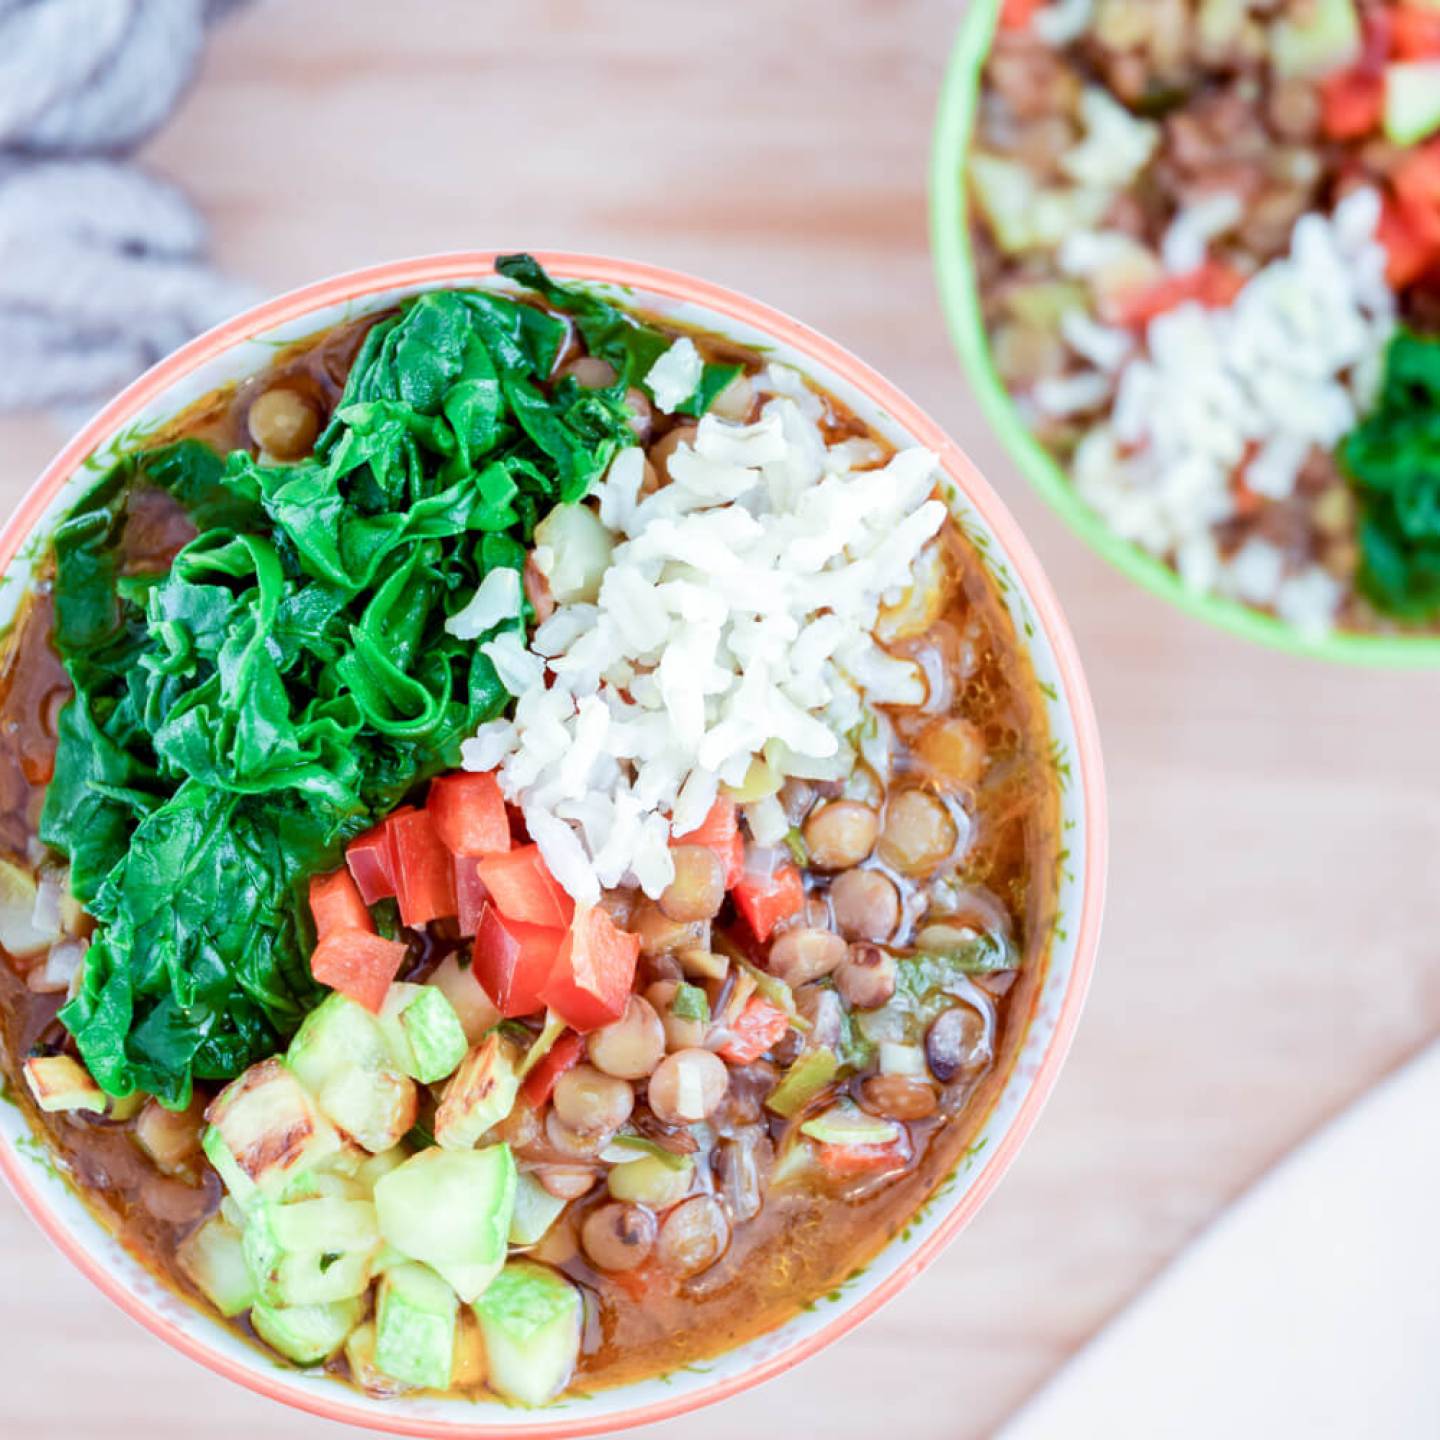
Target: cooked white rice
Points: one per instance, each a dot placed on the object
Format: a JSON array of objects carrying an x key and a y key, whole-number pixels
[
  {"x": 1253, "y": 389},
  {"x": 735, "y": 619}
]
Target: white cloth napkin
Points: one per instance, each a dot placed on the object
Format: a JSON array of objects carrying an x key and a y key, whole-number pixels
[
  {"x": 103, "y": 267},
  {"x": 1311, "y": 1308}
]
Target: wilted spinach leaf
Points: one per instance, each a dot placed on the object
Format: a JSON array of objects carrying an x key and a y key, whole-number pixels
[
  {"x": 631, "y": 347},
  {"x": 1393, "y": 460},
  {"x": 289, "y": 679}
]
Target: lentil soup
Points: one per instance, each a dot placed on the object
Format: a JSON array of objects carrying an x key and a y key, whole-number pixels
[
  {"x": 527, "y": 1071},
  {"x": 1206, "y": 255}
]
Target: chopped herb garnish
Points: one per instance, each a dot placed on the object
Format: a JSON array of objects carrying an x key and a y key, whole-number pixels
[
  {"x": 420, "y": 1137},
  {"x": 795, "y": 844}
]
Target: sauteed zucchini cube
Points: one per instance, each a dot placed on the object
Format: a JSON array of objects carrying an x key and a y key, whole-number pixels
[
  {"x": 214, "y": 1258},
  {"x": 265, "y": 1129},
  {"x": 530, "y": 1318},
  {"x": 171, "y": 1138},
  {"x": 59, "y": 1082},
  {"x": 415, "y": 1315},
  {"x": 341, "y": 1055},
  {"x": 536, "y": 1210},
  {"x": 480, "y": 1094},
  {"x": 423, "y": 1031},
  {"x": 360, "y": 1357},
  {"x": 307, "y": 1334},
  {"x": 451, "y": 1209},
  {"x": 311, "y": 1252}
]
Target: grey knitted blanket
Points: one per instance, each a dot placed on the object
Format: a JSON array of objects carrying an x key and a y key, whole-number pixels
[{"x": 103, "y": 266}]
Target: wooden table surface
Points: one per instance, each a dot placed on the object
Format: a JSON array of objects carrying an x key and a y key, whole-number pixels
[{"x": 1271, "y": 947}]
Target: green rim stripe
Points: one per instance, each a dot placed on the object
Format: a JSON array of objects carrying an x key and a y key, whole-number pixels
[{"x": 955, "y": 273}]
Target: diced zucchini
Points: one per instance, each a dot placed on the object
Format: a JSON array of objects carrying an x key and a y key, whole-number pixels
[
  {"x": 847, "y": 1124},
  {"x": 360, "y": 1357},
  {"x": 1044, "y": 303},
  {"x": 530, "y": 1318},
  {"x": 19, "y": 934},
  {"x": 423, "y": 1031},
  {"x": 311, "y": 1252},
  {"x": 374, "y": 1166},
  {"x": 307, "y": 1334},
  {"x": 451, "y": 1209},
  {"x": 536, "y": 1210},
  {"x": 1006, "y": 193},
  {"x": 479, "y": 1094},
  {"x": 339, "y": 1034},
  {"x": 475, "y": 1009},
  {"x": 214, "y": 1258},
  {"x": 415, "y": 1327},
  {"x": 650, "y": 1181},
  {"x": 127, "y": 1107},
  {"x": 327, "y": 1183},
  {"x": 60, "y": 1082},
  {"x": 1317, "y": 42},
  {"x": 376, "y": 1107},
  {"x": 341, "y": 1055},
  {"x": 171, "y": 1138},
  {"x": 803, "y": 1081},
  {"x": 270, "y": 1126},
  {"x": 1412, "y": 101},
  {"x": 325, "y": 1224}
]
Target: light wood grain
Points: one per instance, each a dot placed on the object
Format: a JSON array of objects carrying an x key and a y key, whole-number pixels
[{"x": 1271, "y": 947}]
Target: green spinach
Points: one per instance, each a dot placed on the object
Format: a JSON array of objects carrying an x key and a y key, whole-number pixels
[
  {"x": 238, "y": 718},
  {"x": 1393, "y": 460},
  {"x": 631, "y": 347}
]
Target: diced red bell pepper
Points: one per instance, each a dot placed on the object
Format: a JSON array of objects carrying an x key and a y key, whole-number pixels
[
  {"x": 720, "y": 831},
  {"x": 358, "y": 964},
  {"x": 719, "y": 827},
  {"x": 523, "y": 888},
  {"x": 513, "y": 961},
  {"x": 1352, "y": 100},
  {"x": 761, "y": 1024},
  {"x": 1416, "y": 181},
  {"x": 766, "y": 900},
  {"x": 372, "y": 864},
  {"x": 1212, "y": 284},
  {"x": 1414, "y": 32},
  {"x": 469, "y": 813},
  {"x": 1017, "y": 14},
  {"x": 470, "y": 893},
  {"x": 1352, "y": 104},
  {"x": 847, "y": 1160},
  {"x": 424, "y": 869},
  {"x": 336, "y": 905},
  {"x": 590, "y": 982},
  {"x": 1410, "y": 254},
  {"x": 565, "y": 1054}
]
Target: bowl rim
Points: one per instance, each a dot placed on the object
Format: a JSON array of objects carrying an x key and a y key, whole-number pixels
[
  {"x": 954, "y": 263},
  {"x": 449, "y": 268}
]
